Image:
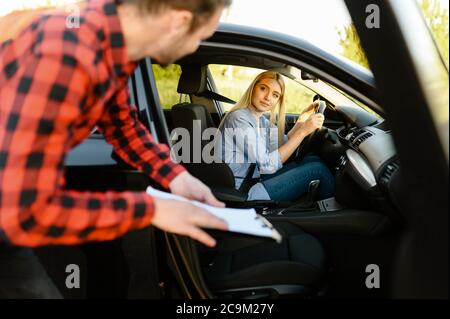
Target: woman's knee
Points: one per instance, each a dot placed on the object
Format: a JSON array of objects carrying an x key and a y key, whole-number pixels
[
  {"x": 326, "y": 178},
  {"x": 322, "y": 172},
  {"x": 319, "y": 167}
]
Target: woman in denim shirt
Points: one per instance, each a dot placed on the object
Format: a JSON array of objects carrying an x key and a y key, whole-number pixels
[{"x": 249, "y": 137}]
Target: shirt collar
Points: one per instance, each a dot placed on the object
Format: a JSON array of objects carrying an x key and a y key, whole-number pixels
[
  {"x": 256, "y": 123},
  {"x": 122, "y": 66}
]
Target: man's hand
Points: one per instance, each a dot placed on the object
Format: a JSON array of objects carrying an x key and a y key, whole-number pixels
[
  {"x": 190, "y": 187},
  {"x": 186, "y": 219}
]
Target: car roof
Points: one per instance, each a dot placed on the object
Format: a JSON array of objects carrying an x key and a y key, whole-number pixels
[{"x": 229, "y": 29}]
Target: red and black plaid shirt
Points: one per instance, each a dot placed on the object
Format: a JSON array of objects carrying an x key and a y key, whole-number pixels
[{"x": 56, "y": 85}]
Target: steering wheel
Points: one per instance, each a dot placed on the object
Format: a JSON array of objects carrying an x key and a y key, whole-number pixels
[
  {"x": 306, "y": 145},
  {"x": 309, "y": 142}
]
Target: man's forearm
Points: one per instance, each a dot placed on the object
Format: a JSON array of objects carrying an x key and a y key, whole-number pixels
[
  {"x": 134, "y": 144},
  {"x": 70, "y": 217}
]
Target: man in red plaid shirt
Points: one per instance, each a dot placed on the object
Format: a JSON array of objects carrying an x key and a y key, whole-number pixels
[{"x": 56, "y": 85}]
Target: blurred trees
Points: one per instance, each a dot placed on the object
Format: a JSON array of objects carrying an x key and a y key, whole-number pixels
[
  {"x": 437, "y": 20},
  {"x": 351, "y": 45},
  {"x": 435, "y": 16},
  {"x": 231, "y": 81},
  {"x": 167, "y": 83}
]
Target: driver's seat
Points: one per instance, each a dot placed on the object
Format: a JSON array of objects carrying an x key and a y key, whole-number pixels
[
  {"x": 247, "y": 267},
  {"x": 218, "y": 176},
  {"x": 241, "y": 266}
]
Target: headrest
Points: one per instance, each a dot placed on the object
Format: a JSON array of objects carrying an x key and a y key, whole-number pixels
[{"x": 192, "y": 79}]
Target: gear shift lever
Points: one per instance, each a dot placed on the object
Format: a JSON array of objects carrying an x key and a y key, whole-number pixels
[
  {"x": 309, "y": 202},
  {"x": 313, "y": 191}
]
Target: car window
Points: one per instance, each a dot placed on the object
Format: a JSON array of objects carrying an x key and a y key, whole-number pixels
[
  {"x": 347, "y": 100},
  {"x": 166, "y": 79},
  {"x": 232, "y": 81}
]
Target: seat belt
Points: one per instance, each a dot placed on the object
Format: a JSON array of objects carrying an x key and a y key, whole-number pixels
[
  {"x": 215, "y": 96},
  {"x": 248, "y": 181}
]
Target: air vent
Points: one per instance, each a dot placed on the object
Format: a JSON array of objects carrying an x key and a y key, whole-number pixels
[
  {"x": 362, "y": 138},
  {"x": 355, "y": 135},
  {"x": 388, "y": 171},
  {"x": 344, "y": 132}
]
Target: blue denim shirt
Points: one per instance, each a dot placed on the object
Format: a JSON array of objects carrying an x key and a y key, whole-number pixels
[{"x": 243, "y": 143}]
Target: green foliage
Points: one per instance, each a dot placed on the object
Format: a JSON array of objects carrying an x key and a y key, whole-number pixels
[
  {"x": 166, "y": 83},
  {"x": 351, "y": 45},
  {"x": 233, "y": 81},
  {"x": 437, "y": 21},
  {"x": 297, "y": 97}
]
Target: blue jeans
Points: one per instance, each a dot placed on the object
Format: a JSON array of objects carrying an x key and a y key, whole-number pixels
[{"x": 292, "y": 180}]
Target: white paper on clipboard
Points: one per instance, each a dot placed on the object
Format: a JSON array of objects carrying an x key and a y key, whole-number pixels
[{"x": 245, "y": 221}]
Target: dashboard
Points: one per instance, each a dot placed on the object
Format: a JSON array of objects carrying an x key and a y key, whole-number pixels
[{"x": 370, "y": 156}]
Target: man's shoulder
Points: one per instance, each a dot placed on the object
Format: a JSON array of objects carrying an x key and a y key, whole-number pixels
[
  {"x": 82, "y": 29},
  {"x": 77, "y": 40}
]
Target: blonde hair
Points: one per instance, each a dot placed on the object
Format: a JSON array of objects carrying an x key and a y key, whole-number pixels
[{"x": 246, "y": 101}]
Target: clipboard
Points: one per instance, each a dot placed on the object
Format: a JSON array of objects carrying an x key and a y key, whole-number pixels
[{"x": 243, "y": 221}]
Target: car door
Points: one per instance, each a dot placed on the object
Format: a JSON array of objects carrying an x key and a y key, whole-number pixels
[{"x": 413, "y": 81}]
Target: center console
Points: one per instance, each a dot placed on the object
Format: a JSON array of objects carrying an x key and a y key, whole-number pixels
[{"x": 346, "y": 220}]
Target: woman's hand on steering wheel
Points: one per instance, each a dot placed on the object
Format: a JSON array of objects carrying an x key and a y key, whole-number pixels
[
  {"x": 307, "y": 112},
  {"x": 310, "y": 127},
  {"x": 313, "y": 123}
]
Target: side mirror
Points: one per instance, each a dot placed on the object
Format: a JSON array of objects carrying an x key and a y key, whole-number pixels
[{"x": 308, "y": 76}]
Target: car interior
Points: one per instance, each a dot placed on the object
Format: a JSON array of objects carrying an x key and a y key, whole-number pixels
[
  {"x": 323, "y": 253},
  {"x": 327, "y": 251}
]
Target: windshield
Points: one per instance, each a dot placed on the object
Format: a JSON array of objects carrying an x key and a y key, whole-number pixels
[{"x": 329, "y": 92}]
